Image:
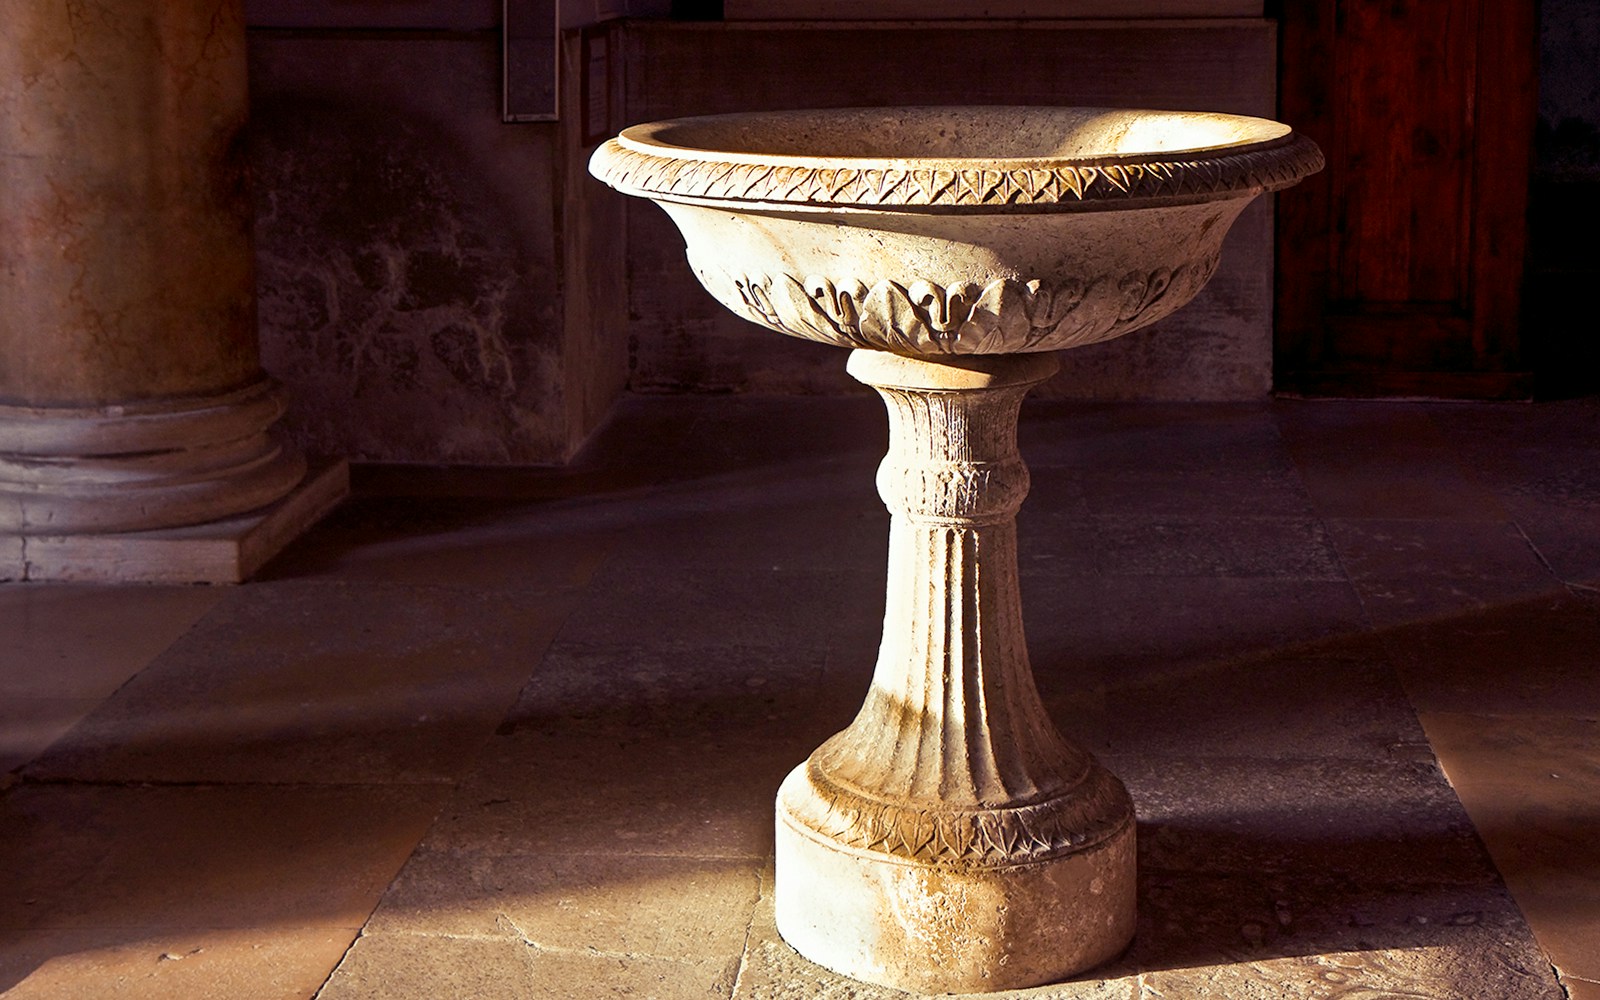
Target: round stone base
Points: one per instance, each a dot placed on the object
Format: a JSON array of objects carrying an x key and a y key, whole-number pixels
[
  {"x": 944, "y": 928},
  {"x": 143, "y": 466}
]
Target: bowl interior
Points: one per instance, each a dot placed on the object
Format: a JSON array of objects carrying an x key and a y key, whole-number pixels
[{"x": 961, "y": 133}]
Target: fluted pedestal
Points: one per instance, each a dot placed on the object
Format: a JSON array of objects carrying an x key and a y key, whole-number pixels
[
  {"x": 950, "y": 839},
  {"x": 133, "y": 407}
]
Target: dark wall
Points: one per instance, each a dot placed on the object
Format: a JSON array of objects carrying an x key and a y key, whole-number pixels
[
  {"x": 420, "y": 290},
  {"x": 1564, "y": 215}
]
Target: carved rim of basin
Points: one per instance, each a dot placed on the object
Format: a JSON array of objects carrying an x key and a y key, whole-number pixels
[{"x": 958, "y": 159}]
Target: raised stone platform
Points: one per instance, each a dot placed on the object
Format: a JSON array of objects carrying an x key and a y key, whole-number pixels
[{"x": 226, "y": 551}]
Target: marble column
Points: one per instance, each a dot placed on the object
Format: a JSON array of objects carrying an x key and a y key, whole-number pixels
[{"x": 136, "y": 424}]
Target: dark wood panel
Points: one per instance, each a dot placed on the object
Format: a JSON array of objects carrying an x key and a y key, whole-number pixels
[{"x": 1406, "y": 254}]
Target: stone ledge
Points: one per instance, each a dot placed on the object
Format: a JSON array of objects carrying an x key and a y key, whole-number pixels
[{"x": 226, "y": 551}]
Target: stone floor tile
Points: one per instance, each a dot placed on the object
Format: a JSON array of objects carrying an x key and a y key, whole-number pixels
[
  {"x": 1141, "y": 437},
  {"x": 1566, "y": 538},
  {"x": 29, "y": 725},
  {"x": 235, "y": 857},
  {"x": 387, "y": 966},
  {"x": 1387, "y": 821},
  {"x": 1054, "y": 543},
  {"x": 1443, "y": 972},
  {"x": 257, "y": 963},
  {"x": 1235, "y": 932},
  {"x": 1535, "y": 656},
  {"x": 1408, "y": 570},
  {"x": 571, "y": 792},
  {"x": 1204, "y": 493},
  {"x": 456, "y": 542},
  {"x": 1378, "y": 549},
  {"x": 321, "y": 683},
  {"x": 1580, "y": 989},
  {"x": 1382, "y": 460},
  {"x": 69, "y": 641},
  {"x": 768, "y": 533},
  {"x": 742, "y": 432},
  {"x": 1530, "y": 784},
  {"x": 1283, "y": 548},
  {"x": 1289, "y": 705},
  {"x": 664, "y": 606},
  {"x": 733, "y": 693},
  {"x": 634, "y": 905},
  {"x": 1141, "y": 627}
]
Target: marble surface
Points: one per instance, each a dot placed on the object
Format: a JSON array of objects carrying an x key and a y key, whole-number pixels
[{"x": 126, "y": 269}]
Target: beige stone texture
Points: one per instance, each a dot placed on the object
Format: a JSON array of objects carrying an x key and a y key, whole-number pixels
[
  {"x": 230, "y": 550},
  {"x": 289, "y": 963},
  {"x": 1217, "y": 348},
  {"x": 1529, "y": 783},
  {"x": 950, "y": 839},
  {"x": 405, "y": 697},
  {"x": 204, "y": 892},
  {"x": 67, "y": 648}
]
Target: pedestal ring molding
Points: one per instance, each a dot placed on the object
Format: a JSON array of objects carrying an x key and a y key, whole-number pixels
[{"x": 1094, "y": 810}]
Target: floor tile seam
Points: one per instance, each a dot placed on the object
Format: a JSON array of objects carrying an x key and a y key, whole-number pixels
[
  {"x": 425, "y": 849},
  {"x": 1131, "y": 757},
  {"x": 48, "y": 926},
  {"x": 29, "y": 781},
  {"x": 1527, "y": 540},
  {"x": 381, "y": 585},
  {"x": 1585, "y": 716},
  {"x": 1468, "y": 470},
  {"x": 1292, "y": 876},
  {"x": 1507, "y": 521},
  {"x": 750, "y": 936},
  {"x": 344, "y": 957},
  {"x": 1125, "y": 575}
]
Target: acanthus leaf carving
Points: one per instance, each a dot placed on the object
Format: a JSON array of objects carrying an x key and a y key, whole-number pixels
[{"x": 921, "y": 317}]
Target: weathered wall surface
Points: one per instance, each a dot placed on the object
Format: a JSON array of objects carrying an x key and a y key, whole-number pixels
[
  {"x": 406, "y": 259},
  {"x": 420, "y": 292},
  {"x": 1219, "y": 347}
]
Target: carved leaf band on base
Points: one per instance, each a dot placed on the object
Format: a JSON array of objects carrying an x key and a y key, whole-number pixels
[{"x": 1090, "y": 813}]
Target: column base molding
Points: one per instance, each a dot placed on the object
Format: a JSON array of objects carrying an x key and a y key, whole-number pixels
[
  {"x": 145, "y": 465},
  {"x": 225, "y": 551}
]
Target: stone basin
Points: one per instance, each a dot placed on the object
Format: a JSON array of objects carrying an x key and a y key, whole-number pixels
[
  {"x": 951, "y": 839},
  {"x": 940, "y": 231}
]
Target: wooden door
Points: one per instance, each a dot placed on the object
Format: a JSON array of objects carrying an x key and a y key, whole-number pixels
[{"x": 1400, "y": 267}]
